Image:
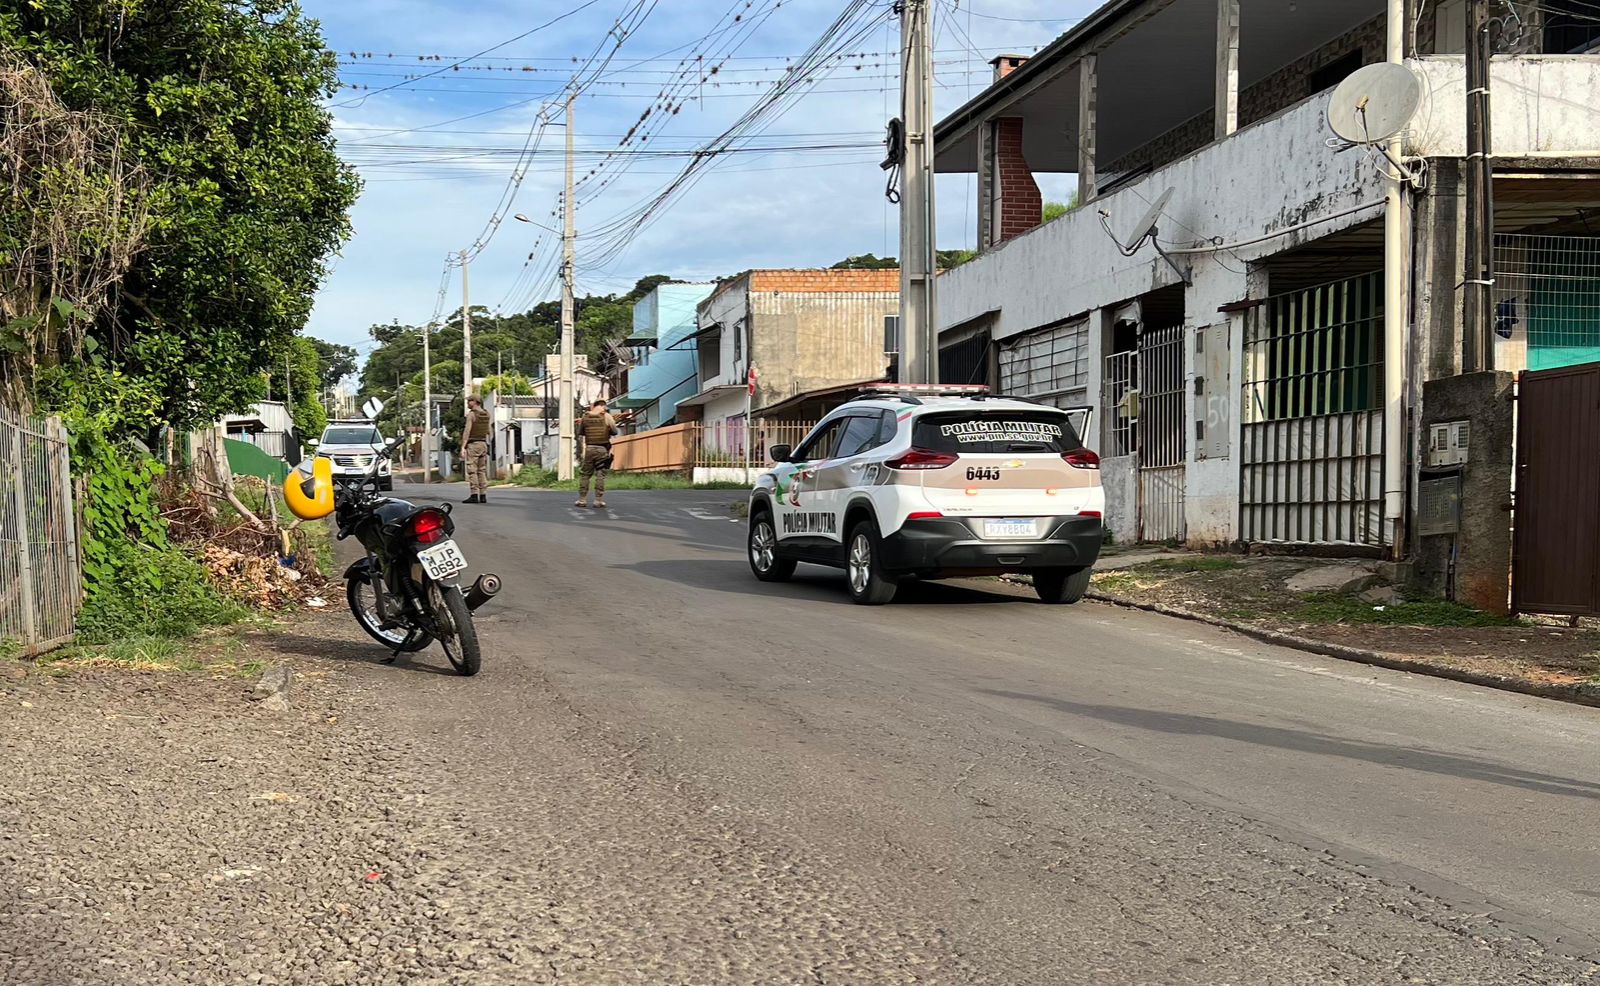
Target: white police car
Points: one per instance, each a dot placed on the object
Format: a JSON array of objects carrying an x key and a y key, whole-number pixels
[
  {"x": 934, "y": 483},
  {"x": 352, "y": 447}
]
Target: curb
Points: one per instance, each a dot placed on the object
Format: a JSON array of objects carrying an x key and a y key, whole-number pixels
[{"x": 1577, "y": 694}]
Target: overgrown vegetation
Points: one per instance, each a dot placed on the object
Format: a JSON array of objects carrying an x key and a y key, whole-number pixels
[
  {"x": 170, "y": 195},
  {"x": 1330, "y": 607}
]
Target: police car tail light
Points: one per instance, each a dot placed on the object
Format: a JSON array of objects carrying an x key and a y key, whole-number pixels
[
  {"x": 1082, "y": 458},
  {"x": 925, "y": 515},
  {"x": 921, "y": 458}
]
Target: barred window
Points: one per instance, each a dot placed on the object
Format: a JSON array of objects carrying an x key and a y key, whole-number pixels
[{"x": 1050, "y": 365}]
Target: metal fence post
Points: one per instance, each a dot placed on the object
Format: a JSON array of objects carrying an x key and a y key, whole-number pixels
[{"x": 24, "y": 547}]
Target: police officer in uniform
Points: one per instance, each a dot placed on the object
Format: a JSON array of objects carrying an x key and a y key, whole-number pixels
[
  {"x": 475, "y": 450},
  {"x": 597, "y": 427}
]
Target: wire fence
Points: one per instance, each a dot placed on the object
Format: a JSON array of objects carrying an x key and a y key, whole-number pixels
[
  {"x": 1546, "y": 301},
  {"x": 39, "y": 550}
]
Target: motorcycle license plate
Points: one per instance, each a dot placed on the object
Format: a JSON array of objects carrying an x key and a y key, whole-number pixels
[{"x": 442, "y": 560}]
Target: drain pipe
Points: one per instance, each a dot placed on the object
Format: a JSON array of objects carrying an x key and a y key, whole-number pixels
[{"x": 1396, "y": 316}]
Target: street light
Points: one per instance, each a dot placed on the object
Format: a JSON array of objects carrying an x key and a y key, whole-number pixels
[{"x": 519, "y": 217}]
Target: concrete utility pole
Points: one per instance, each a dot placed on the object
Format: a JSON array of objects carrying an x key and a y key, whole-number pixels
[
  {"x": 564, "y": 456},
  {"x": 919, "y": 332},
  {"x": 1396, "y": 312},
  {"x": 427, "y": 403},
  {"x": 466, "y": 332},
  {"x": 1477, "y": 349}
]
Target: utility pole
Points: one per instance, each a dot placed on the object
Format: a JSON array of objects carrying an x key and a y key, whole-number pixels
[
  {"x": 1477, "y": 343},
  {"x": 564, "y": 456},
  {"x": 427, "y": 403},
  {"x": 919, "y": 333},
  {"x": 466, "y": 332}
]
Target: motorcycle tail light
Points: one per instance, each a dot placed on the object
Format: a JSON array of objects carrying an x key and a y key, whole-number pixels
[{"x": 428, "y": 527}]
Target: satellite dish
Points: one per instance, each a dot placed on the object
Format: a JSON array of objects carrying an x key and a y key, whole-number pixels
[
  {"x": 1147, "y": 224},
  {"x": 1374, "y": 103}
]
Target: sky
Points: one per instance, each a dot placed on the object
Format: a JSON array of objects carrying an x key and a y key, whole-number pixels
[{"x": 434, "y": 181}]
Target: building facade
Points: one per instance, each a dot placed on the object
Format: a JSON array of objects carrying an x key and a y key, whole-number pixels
[
  {"x": 797, "y": 330},
  {"x": 1257, "y": 361},
  {"x": 663, "y": 369}
]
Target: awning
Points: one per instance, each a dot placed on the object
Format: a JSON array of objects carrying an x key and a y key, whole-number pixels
[
  {"x": 813, "y": 404},
  {"x": 641, "y": 340},
  {"x": 712, "y": 393},
  {"x": 693, "y": 341}
]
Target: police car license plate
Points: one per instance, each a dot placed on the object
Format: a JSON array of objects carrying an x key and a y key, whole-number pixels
[
  {"x": 442, "y": 560},
  {"x": 1008, "y": 528}
]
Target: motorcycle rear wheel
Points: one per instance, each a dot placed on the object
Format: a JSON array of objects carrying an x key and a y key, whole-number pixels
[
  {"x": 367, "y": 616},
  {"x": 461, "y": 647}
]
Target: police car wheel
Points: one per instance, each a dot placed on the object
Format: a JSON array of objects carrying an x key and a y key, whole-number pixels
[
  {"x": 1061, "y": 586},
  {"x": 869, "y": 585},
  {"x": 765, "y": 561}
]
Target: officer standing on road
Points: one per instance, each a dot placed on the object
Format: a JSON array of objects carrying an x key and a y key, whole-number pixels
[
  {"x": 597, "y": 427},
  {"x": 475, "y": 450}
]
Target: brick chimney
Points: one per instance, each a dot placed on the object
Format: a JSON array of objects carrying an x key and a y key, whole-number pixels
[
  {"x": 1020, "y": 203},
  {"x": 1004, "y": 65}
]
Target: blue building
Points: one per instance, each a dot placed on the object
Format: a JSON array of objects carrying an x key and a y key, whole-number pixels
[{"x": 664, "y": 371}]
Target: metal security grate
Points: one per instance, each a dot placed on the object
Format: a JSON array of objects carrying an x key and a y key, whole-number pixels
[
  {"x": 1121, "y": 412},
  {"x": 1312, "y": 463},
  {"x": 1546, "y": 301},
  {"x": 39, "y": 562},
  {"x": 1162, "y": 430},
  {"x": 1049, "y": 365}
]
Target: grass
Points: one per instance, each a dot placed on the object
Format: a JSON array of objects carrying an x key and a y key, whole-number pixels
[
  {"x": 216, "y": 653},
  {"x": 1332, "y": 607},
  {"x": 545, "y": 479}
]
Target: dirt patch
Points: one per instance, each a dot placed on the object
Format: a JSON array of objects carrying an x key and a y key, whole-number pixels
[{"x": 1253, "y": 592}]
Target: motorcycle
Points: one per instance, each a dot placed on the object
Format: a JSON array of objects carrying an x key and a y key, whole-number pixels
[{"x": 407, "y": 592}]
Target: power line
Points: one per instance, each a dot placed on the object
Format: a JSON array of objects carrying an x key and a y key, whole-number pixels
[{"x": 534, "y": 30}]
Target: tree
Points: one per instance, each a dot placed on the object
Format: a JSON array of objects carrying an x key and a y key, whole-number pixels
[
  {"x": 222, "y": 102},
  {"x": 296, "y": 376},
  {"x": 1055, "y": 210},
  {"x": 866, "y": 261},
  {"x": 337, "y": 362}
]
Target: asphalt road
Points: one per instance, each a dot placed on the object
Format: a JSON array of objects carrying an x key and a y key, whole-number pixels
[{"x": 1080, "y": 794}]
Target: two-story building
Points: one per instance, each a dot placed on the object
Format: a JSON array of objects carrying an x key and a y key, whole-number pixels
[
  {"x": 791, "y": 332},
  {"x": 1257, "y": 363},
  {"x": 663, "y": 368}
]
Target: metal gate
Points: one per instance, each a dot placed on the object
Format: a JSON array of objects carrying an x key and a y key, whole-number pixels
[
  {"x": 1161, "y": 433},
  {"x": 1556, "y": 540},
  {"x": 39, "y": 574},
  {"x": 1312, "y": 455}
]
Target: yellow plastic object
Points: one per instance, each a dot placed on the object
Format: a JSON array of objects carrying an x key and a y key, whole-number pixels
[{"x": 311, "y": 497}]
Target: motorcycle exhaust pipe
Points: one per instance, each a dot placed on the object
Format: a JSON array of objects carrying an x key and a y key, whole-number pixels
[{"x": 484, "y": 589}]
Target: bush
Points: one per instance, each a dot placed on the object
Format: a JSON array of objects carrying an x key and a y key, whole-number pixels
[{"x": 159, "y": 592}]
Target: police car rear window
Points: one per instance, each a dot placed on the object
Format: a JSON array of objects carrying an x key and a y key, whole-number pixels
[{"x": 980, "y": 432}]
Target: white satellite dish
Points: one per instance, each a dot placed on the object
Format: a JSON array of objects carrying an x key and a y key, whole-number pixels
[
  {"x": 1374, "y": 103},
  {"x": 1147, "y": 224},
  {"x": 372, "y": 408}
]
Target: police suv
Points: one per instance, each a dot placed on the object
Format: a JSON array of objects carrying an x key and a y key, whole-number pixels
[
  {"x": 352, "y": 447},
  {"x": 932, "y": 483}
]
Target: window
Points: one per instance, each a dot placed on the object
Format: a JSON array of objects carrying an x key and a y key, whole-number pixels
[
  {"x": 1570, "y": 27},
  {"x": 1050, "y": 365},
  {"x": 738, "y": 340},
  {"x": 995, "y": 432},
  {"x": 860, "y": 434},
  {"x": 352, "y": 436},
  {"x": 887, "y": 428},
  {"x": 821, "y": 442},
  {"x": 1332, "y": 73}
]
